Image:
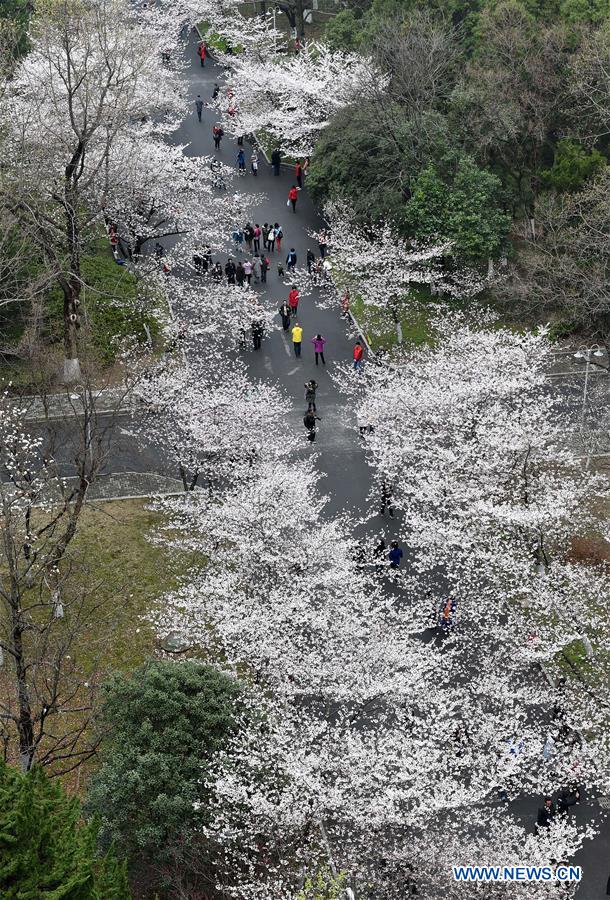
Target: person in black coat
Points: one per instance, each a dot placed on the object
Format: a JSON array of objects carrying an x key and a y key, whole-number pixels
[
  {"x": 275, "y": 161},
  {"x": 567, "y": 799},
  {"x": 546, "y": 813}
]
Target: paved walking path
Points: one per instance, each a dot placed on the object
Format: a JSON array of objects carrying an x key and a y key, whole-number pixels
[{"x": 340, "y": 449}]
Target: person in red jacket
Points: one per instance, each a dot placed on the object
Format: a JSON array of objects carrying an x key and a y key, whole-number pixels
[
  {"x": 292, "y": 197},
  {"x": 358, "y": 354},
  {"x": 202, "y": 50},
  {"x": 293, "y": 300}
]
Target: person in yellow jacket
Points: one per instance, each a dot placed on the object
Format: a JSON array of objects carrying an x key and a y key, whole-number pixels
[{"x": 297, "y": 337}]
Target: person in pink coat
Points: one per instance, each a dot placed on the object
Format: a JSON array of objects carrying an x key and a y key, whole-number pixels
[{"x": 318, "y": 345}]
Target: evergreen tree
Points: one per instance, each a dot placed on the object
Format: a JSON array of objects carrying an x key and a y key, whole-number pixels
[{"x": 45, "y": 850}]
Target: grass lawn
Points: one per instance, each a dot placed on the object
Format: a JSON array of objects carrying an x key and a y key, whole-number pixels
[
  {"x": 122, "y": 577},
  {"x": 415, "y": 319}
]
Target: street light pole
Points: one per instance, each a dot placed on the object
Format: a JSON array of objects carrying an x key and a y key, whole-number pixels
[{"x": 586, "y": 354}]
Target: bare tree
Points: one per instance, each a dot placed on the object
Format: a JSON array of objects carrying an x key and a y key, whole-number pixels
[
  {"x": 46, "y": 601},
  {"x": 564, "y": 269}
]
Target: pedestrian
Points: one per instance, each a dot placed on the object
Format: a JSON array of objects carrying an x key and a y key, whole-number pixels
[
  {"x": 318, "y": 345},
  {"x": 345, "y": 304},
  {"x": 254, "y": 162},
  {"x": 271, "y": 239},
  {"x": 257, "y": 238},
  {"x": 217, "y": 272},
  {"x": 297, "y": 337},
  {"x": 380, "y": 551},
  {"x": 217, "y": 134},
  {"x": 241, "y": 162},
  {"x": 248, "y": 235},
  {"x": 358, "y": 354},
  {"x": 264, "y": 268},
  {"x": 298, "y": 174},
  {"x": 291, "y": 259},
  {"x": 199, "y": 106},
  {"x": 546, "y": 813},
  {"x": 395, "y": 555},
  {"x": 200, "y": 263},
  {"x": 285, "y": 314},
  {"x": 275, "y": 161},
  {"x": 230, "y": 271},
  {"x": 293, "y": 195},
  {"x": 386, "y": 493},
  {"x": 240, "y": 274},
  {"x": 265, "y": 235},
  {"x": 159, "y": 250},
  {"x": 280, "y": 269},
  {"x": 311, "y": 387},
  {"x": 322, "y": 243},
  {"x": 311, "y": 258},
  {"x": 215, "y": 92},
  {"x": 567, "y": 799},
  {"x": 237, "y": 236},
  {"x": 256, "y": 268},
  {"x": 202, "y": 51},
  {"x": 293, "y": 299},
  {"x": 248, "y": 271},
  {"x": 279, "y": 234},
  {"x": 257, "y": 333},
  {"x": 309, "y": 421}
]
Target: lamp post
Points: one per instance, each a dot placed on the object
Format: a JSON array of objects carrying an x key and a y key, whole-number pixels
[{"x": 586, "y": 354}]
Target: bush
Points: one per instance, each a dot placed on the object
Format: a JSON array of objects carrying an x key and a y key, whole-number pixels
[{"x": 165, "y": 725}]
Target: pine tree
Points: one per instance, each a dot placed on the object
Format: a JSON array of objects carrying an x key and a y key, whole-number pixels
[{"x": 45, "y": 850}]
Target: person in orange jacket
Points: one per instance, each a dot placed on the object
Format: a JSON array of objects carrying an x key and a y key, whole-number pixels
[
  {"x": 292, "y": 197},
  {"x": 202, "y": 51}
]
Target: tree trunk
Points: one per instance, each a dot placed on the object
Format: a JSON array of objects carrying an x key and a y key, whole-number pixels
[
  {"x": 396, "y": 320},
  {"x": 72, "y": 285},
  {"x": 25, "y": 724}
]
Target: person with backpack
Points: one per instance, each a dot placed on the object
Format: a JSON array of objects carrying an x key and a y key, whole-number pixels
[
  {"x": 264, "y": 269},
  {"x": 293, "y": 196},
  {"x": 241, "y": 162},
  {"x": 310, "y": 394},
  {"x": 237, "y": 236},
  {"x": 217, "y": 134},
  {"x": 271, "y": 239},
  {"x": 291, "y": 259},
  {"x": 256, "y": 268},
  {"x": 318, "y": 345},
  {"x": 254, "y": 162},
  {"x": 279, "y": 234},
  {"x": 293, "y": 299},
  {"x": 309, "y": 421}
]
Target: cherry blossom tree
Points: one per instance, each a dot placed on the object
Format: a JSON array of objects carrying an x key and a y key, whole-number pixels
[
  {"x": 87, "y": 80},
  {"x": 381, "y": 268},
  {"x": 294, "y": 97}
]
